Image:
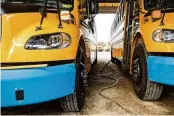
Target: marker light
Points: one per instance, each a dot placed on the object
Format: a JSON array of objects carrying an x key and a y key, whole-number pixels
[
  {"x": 156, "y": 14},
  {"x": 65, "y": 15}
]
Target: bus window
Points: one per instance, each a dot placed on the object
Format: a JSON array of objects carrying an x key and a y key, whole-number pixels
[
  {"x": 136, "y": 17},
  {"x": 83, "y": 6},
  {"x": 137, "y": 8},
  {"x": 122, "y": 5}
]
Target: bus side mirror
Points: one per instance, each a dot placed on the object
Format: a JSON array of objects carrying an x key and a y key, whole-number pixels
[
  {"x": 136, "y": 18},
  {"x": 93, "y": 7}
]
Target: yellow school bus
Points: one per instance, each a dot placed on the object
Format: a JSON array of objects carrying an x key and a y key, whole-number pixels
[
  {"x": 142, "y": 38},
  {"x": 46, "y": 51}
]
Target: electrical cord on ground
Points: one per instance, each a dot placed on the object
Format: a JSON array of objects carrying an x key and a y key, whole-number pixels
[{"x": 111, "y": 86}]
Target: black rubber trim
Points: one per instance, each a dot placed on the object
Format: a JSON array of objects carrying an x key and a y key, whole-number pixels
[
  {"x": 19, "y": 8},
  {"x": 50, "y": 63},
  {"x": 168, "y": 54}
]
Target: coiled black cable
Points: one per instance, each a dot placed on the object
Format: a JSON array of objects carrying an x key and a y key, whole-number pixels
[{"x": 106, "y": 75}]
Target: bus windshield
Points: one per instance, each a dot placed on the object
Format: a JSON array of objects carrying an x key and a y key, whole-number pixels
[
  {"x": 63, "y": 4},
  {"x": 158, "y": 4}
]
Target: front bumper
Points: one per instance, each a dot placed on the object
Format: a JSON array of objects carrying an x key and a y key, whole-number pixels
[
  {"x": 38, "y": 84},
  {"x": 161, "y": 69}
]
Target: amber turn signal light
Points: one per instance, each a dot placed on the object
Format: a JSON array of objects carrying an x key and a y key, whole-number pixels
[{"x": 156, "y": 14}]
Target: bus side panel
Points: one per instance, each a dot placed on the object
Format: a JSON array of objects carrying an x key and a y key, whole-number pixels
[
  {"x": 118, "y": 34},
  {"x": 117, "y": 41},
  {"x": 15, "y": 37}
]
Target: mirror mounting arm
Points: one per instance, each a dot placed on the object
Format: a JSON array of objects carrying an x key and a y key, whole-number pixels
[
  {"x": 43, "y": 15},
  {"x": 58, "y": 9}
]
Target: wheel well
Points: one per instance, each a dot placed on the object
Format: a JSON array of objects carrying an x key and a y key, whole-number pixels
[
  {"x": 82, "y": 45},
  {"x": 137, "y": 39}
]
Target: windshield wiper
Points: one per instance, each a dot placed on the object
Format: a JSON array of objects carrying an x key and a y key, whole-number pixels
[
  {"x": 58, "y": 9},
  {"x": 43, "y": 13},
  {"x": 162, "y": 21}
]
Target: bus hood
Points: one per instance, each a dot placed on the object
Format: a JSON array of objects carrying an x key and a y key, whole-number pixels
[
  {"x": 17, "y": 28},
  {"x": 148, "y": 29}
]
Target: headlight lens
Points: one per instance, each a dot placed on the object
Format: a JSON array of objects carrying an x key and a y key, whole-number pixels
[
  {"x": 52, "y": 41},
  {"x": 163, "y": 35}
]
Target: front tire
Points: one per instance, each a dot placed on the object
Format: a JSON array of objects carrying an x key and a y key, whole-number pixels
[
  {"x": 144, "y": 88},
  {"x": 75, "y": 101}
]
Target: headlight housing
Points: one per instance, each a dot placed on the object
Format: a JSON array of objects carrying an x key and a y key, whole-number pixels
[
  {"x": 51, "y": 41},
  {"x": 163, "y": 35}
]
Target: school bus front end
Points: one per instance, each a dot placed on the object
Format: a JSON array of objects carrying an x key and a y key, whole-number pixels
[
  {"x": 143, "y": 40},
  {"x": 157, "y": 32},
  {"x": 154, "y": 40},
  {"x": 38, "y": 62},
  {"x": 159, "y": 42}
]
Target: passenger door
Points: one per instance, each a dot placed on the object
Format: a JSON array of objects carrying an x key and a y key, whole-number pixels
[{"x": 128, "y": 35}]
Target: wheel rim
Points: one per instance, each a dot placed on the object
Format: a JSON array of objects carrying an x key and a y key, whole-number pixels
[{"x": 137, "y": 72}]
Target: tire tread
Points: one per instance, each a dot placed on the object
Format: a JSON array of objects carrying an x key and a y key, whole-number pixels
[
  {"x": 152, "y": 91},
  {"x": 69, "y": 103}
]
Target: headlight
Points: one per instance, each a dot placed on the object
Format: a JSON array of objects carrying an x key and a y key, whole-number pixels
[
  {"x": 163, "y": 35},
  {"x": 52, "y": 41}
]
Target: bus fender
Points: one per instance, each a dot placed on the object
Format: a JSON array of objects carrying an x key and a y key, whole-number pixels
[
  {"x": 87, "y": 61},
  {"x": 137, "y": 39}
]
